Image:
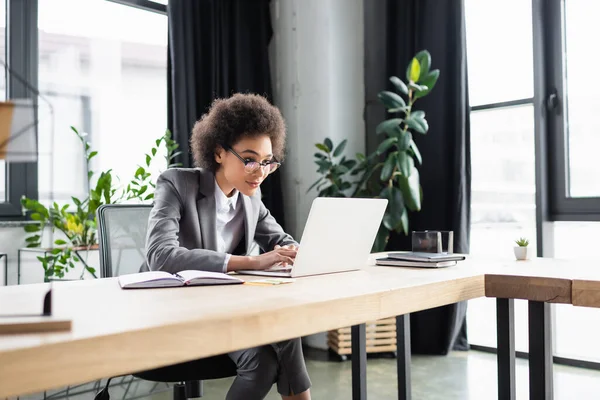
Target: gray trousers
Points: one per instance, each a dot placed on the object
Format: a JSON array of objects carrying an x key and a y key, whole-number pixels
[{"x": 258, "y": 368}]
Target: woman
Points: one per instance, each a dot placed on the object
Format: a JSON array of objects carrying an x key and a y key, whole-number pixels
[{"x": 207, "y": 217}]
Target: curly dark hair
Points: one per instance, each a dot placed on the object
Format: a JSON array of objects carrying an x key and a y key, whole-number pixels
[{"x": 232, "y": 119}]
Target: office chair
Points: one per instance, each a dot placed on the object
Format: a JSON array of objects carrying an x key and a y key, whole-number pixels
[{"x": 122, "y": 238}]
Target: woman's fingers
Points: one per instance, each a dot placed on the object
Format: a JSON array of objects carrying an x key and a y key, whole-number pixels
[
  {"x": 285, "y": 261},
  {"x": 286, "y": 252},
  {"x": 289, "y": 246}
]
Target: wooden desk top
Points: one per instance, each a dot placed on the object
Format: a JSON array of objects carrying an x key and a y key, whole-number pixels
[
  {"x": 586, "y": 288},
  {"x": 119, "y": 331},
  {"x": 538, "y": 279}
]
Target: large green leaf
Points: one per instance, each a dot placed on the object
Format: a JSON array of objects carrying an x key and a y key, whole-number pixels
[
  {"x": 405, "y": 163},
  {"x": 391, "y": 100},
  {"x": 417, "y": 88},
  {"x": 29, "y": 228},
  {"x": 388, "y": 166},
  {"x": 414, "y": 71},
  {"x": 37, "y": 217},
  {"x": 381, "y": 239},
  {"x": 418, "y": 114},
  {"x": 390, "y": 126},
  {"x": 415, "y": 150},
  {"x": 393, "y": 215},
  {"x": 405, "y": 140},
  {"x": 322, "y": 147},
  {"x": 329, "y": 144},
  {"x": 404, "y": 221},
  {"x": 341, "y": 169},
  {"x": 410, "y": 190},
  {"x": 420, "y": 118},
  {"x": 324, "y": 165},
  {"x": 33, "y": 239},
  {"x": 416, "y": 124},
  {"x": 401, "y": 86},
  {"x": 349, "y": 164},
  {"x": 425, "y": 62},
  {"x": 388, "y": 221},
  {"x": 430, "y": 80},
  {"x": 386, "y": 144},
  {"x": 340, "y": 148}
]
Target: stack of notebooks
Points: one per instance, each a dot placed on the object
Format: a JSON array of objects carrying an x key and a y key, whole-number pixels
[{"x": 420, "y": 260}]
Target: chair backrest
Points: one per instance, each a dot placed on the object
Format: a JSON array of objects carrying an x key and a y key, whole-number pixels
[{"x": 122, "y": 238}]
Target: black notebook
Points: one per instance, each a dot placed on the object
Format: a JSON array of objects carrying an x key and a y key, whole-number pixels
[
  {"x": 426, "y": 257},
  {"x": 160, "y": 279},
  {"x": 393, "y": 262}
]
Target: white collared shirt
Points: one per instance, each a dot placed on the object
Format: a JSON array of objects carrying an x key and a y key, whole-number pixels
[{"x": 229, "y": 222}]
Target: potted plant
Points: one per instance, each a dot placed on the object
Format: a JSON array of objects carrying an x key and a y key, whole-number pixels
[
  {"x": 391, "y": 171},
  {"x": 76, "y": 220},
  {"x": 522, "y": 249}
]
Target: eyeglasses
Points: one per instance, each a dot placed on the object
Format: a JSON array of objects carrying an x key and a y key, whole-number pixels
[{"x": 252, "y": 166}]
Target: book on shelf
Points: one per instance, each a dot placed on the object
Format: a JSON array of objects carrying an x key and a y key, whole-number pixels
[{"x": 161, "y": 279}]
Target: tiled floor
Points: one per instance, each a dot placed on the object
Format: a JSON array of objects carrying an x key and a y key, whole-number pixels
[{"x": 460, "y": 375}]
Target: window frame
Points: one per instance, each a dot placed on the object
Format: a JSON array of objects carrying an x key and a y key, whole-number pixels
[
  {"x": 22, "y": 33},
  {"x": 146, "y": 5},
  {"x": 553, "y": 101}
]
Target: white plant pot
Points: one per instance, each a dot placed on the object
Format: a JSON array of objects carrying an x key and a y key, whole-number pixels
[{"x": 522, "y": 253}]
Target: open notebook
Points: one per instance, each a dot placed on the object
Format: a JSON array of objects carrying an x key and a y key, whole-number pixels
[{"x": 159, "y": 279}]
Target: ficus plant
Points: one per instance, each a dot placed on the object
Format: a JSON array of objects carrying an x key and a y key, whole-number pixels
[
  {"x": 391, "y": 171},
  {"x": 76, "y": 220}
]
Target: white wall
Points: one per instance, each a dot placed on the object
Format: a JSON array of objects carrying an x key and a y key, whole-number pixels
[
  {"x": 317, "y": 59},
  {"x": 317, "y": 68}
]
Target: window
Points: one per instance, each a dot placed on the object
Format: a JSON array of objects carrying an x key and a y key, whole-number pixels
[
  {"x": 583, "y": 98},
  {"x": 3, "y": 171},
  {"x": 103, "y": 72},
  {"x": 507, "y": 149},
  {"x": 106, "y": 75},
  {"x": 503, "y": 178},
  {"x": 503, "y": 186},
  {"x": 572, "y": 123},
  {"x": 500, "y": 58}
]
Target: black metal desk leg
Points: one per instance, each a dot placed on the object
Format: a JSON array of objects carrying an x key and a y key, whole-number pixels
[
  {"x": 359, "y": 362},
  {"x": 403, "y": 356},
  {"x": 19, "y": 267},
  {"x": 5, "y": 268},
  {"x": 540, "y": 351},
  {"x": 505, "y": 330}
]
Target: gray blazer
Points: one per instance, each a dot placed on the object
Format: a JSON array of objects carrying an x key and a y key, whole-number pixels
[{"x": 182, "y": 224}]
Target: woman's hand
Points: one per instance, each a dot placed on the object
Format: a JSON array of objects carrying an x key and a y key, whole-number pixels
[
  {"x": 279, "y": 255},
  {"x": 288, "y": 246}
]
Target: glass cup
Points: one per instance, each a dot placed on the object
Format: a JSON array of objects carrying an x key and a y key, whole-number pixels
[{"x": 433, "y": 241}]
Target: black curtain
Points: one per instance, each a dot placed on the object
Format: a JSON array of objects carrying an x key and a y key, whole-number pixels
[
  {"x": 395, "y": 30},
  {"x": 218, "y": 48}
]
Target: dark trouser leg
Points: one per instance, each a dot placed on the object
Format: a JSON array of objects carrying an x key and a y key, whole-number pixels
[
  {"x": 292, "y": 377},
  {"x": 260, "y": 367},
  {"x": 256, "y": 373}
]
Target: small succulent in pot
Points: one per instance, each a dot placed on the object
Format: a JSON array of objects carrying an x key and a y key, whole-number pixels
[{"x": 521, "y": 250}]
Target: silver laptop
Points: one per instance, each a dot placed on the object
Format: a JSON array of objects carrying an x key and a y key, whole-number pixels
[{"x": 338, "y": 236}]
